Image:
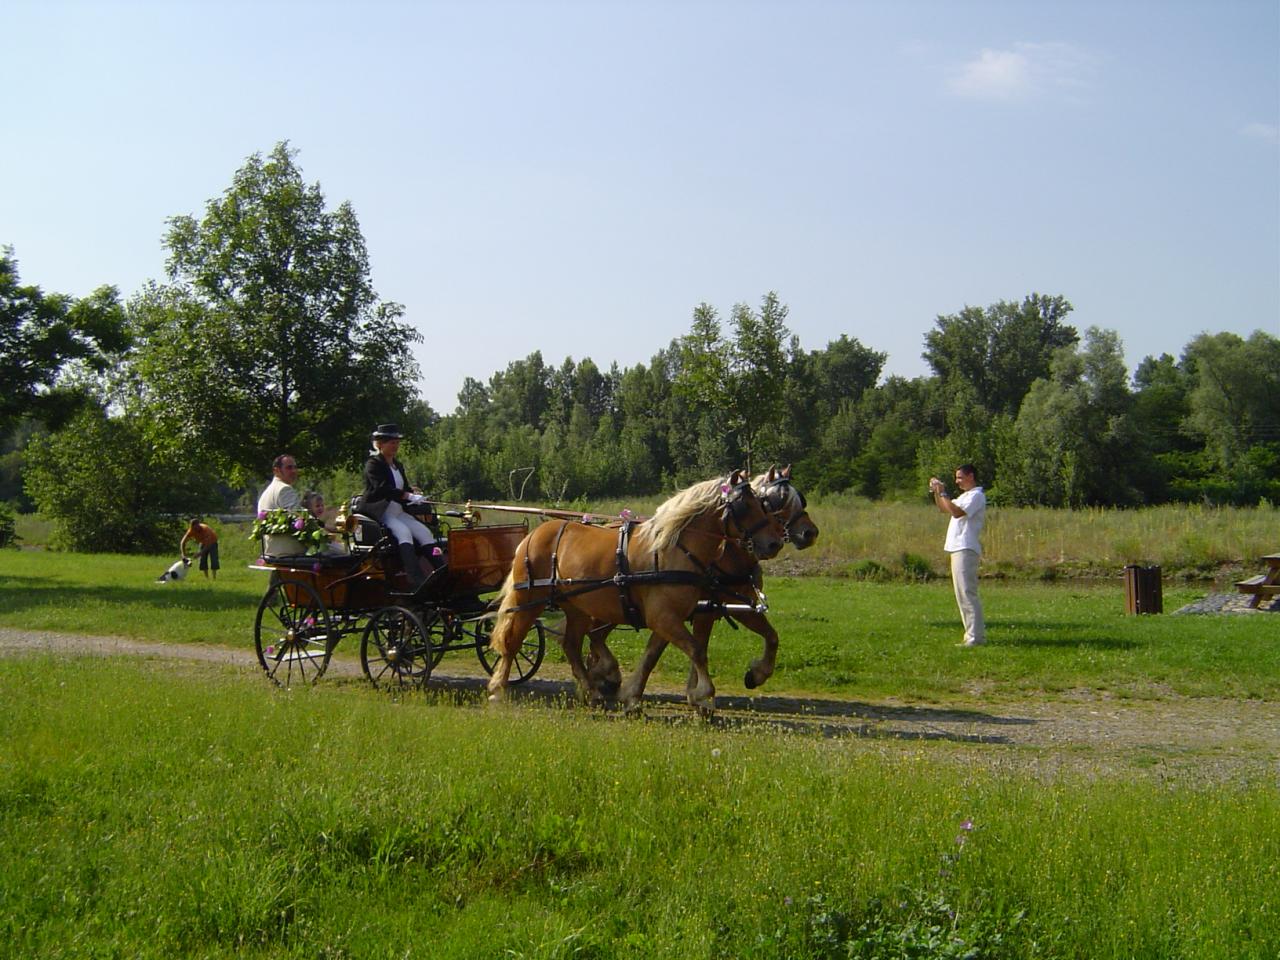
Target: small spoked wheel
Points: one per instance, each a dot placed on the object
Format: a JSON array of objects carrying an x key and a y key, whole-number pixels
[
  {"x": 293, "y": 633},
  {"x": 396, "y": 649},
  {"x": 528, "y": 657}
]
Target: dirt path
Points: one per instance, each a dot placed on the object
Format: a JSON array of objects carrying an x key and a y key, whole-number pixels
[{"x": 1209, "y": 739}]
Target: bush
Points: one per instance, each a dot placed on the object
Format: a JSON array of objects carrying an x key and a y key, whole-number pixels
[
  {"x": 916, "y": 567},
  {"x": 105, "y": 489},
  {"x": 8, "y": 526}
]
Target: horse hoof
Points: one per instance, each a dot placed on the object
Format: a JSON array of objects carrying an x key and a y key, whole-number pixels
[{"x": 749, "y": 681}]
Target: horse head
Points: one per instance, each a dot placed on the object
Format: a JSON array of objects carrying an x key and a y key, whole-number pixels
[
  {"x": 784, "y": 500},
  {"x": 758, "y": 528}
]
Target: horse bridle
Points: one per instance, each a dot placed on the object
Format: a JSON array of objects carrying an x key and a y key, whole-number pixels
[
  {"x": 735, "y": 507},
  {"x": 766, "y": 498}
]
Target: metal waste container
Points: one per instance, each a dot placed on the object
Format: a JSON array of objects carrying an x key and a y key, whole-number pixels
[{"x": 1142, "y": 593}]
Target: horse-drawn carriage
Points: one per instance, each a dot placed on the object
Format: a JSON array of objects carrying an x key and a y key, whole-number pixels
[
  {"x": 696, "y": 560},
  {"x": 313, "y": 601}
]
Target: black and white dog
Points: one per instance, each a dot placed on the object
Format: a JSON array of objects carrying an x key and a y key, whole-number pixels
[{"x": 175, "y": 572}]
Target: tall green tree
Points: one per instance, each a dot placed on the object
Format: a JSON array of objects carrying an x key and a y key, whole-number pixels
[
  {"x": 1002, "y": 349},
  {"x": 269, "y": 335},
  {"x": 736, "y": 384},
  {"x": 43, "y": 338}
]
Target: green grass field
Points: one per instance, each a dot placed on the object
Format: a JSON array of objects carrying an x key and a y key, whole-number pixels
[
  {"x": 164, "y": 808},
  {"x": 151, "y": 810},
  {"x": 839, "y": 636}
]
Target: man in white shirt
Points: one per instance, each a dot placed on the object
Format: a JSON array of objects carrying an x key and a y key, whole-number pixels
[
  {"x": 280, "y": 495},
  {"x": 967, "y": 512}
]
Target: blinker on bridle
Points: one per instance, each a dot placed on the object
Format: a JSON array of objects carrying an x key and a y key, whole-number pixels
[
  {"x": 735, "y": 506},
  {"x": 766, "y": 497}
]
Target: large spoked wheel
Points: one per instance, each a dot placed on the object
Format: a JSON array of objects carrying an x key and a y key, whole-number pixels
[
  {"x": 293, "y": 633},
  {"x": 528, "y": 657},
  {"x": 396, "y": 649}
]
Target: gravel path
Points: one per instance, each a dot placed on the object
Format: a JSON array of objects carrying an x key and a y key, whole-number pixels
[{"x": 1200, "y": 738}]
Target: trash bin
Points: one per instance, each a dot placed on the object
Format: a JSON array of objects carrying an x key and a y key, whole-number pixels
[{"x": 1142, "y": 592}]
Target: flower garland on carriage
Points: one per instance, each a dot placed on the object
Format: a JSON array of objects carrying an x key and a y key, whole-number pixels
[{"x": 301, "y": 525}]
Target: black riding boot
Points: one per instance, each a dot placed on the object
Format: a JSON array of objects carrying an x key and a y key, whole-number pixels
[
  {"x": 412, "y": 571},
  {"x": 434, "y": 556}
]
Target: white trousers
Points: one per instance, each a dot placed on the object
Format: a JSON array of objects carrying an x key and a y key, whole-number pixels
[
  {"x": 964, "y": 579},
  {"x": 404, "y": 528}
]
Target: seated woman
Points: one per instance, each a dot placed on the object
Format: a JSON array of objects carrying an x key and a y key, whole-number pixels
[{"x": 386, "y": 494}]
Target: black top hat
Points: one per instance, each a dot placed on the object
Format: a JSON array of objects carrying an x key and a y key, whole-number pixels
[{"x": 387, "y": 431}]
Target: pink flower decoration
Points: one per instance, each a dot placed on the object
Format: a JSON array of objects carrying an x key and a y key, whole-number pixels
[
  {"x": 299, "y": 524},
  {"x": 436, "y": 551},
  {"x": 725, "y": 488},
  {"x": 262, "y": 514}
]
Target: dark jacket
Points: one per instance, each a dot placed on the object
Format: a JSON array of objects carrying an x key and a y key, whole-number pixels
[{"x": 380, "y": 487}]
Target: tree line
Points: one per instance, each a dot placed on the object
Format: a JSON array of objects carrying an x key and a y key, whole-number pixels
[{"x": 267, "y": 336}]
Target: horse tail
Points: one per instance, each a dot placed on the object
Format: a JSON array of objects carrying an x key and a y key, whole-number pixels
[{"x": 499, "y": 639}]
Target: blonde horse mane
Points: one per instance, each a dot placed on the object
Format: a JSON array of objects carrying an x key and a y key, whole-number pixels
[{"x": 661, "y": 531}]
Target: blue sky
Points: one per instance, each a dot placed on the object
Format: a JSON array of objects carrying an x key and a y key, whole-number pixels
[{"x": 576, "y": 177}]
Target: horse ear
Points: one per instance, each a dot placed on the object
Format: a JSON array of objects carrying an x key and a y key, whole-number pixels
[
  {"x": 735, "y": 478},
  {"x": 772, "y": 475},
  {"x": 786, "y": 472}
]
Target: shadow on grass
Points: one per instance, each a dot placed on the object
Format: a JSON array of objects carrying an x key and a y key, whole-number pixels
[
  {"x": 811, "y": 715},
  {"x": 23, "y": 593},
  {"x": 1043, "y": 633}
]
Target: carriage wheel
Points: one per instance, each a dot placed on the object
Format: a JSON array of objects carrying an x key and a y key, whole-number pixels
[
  {"x": 396, "y": 649},
  {"x": 528, "y": 657},
  {"x": 293, "y": 633}
]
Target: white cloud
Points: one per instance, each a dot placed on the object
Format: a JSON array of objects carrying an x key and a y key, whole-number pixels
[
  {"x": 1027, "y": 71},
  {"x": 1268, "y": 132}
]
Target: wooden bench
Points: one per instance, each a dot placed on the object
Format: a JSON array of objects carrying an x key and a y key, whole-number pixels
[{"x": 1264, "y": 584}]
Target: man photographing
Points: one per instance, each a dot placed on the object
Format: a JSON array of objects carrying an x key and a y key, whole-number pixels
[{"x": 967, "y": 512}]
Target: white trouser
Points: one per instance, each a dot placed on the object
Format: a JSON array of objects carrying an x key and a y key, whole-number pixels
[
  {"x": 964, "y": 579},
  {"x": 404, "y": 528}
]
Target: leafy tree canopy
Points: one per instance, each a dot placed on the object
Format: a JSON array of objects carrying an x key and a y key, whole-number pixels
[
  {"x": 269, "y": 336},
  {"x": 42, "y": 336},
  {"x": 1002, "y": 349}
]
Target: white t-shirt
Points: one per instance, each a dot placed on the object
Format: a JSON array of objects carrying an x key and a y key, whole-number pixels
[{"x": 962, "y": 532}]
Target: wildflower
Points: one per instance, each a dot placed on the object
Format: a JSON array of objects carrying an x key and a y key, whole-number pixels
[
  {"x": 786, "y": 901},
  {"x": 715, "y": 751},
  {"x": 967, "y": 825}
]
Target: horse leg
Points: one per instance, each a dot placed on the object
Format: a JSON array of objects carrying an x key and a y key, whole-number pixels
[
  {"x": 702, "y": 625},
  {"x": 575, "y": 625},
  {"x": 700, "y": 691},
  {"x": 508, "y": 634},
  {"x": 761, "y": 669},
  {"x": 602, "y": 666},
  {"x": 632, "y": 691}
]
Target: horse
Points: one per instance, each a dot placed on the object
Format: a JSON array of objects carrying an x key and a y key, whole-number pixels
[
  {"x": 735, "y": 570},
  {"x": 649, "y": 574}
]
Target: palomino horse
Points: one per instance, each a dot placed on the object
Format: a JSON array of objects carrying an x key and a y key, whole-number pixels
[
  {"x": 738, "y": 572},
  {"x": 653, "y": 578}
]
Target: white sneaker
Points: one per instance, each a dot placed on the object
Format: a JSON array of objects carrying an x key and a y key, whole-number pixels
[{"x": 971, "y": 643}]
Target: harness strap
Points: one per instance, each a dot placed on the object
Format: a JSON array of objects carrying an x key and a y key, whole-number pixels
[{"x": 624, "y": 579}]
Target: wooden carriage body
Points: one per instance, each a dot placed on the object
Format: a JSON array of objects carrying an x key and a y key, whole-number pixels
[{"x": 313, "y": 601}]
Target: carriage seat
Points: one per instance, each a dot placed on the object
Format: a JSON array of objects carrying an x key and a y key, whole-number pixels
[{"x": 366, "y": 535}]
